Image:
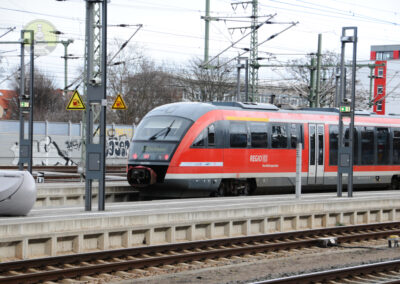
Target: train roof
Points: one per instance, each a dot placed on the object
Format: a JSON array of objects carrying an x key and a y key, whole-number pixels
[{"x": 194, "y": 110}]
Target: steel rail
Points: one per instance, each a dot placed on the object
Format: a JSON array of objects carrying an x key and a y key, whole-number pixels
[
  {"x": 143, "y": 257},
  {"x": 72, "y": 169},
  {"x": 341, "y": 274}
]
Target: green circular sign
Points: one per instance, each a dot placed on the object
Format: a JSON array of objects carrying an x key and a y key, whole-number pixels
[{"x": 44, "y": 34}]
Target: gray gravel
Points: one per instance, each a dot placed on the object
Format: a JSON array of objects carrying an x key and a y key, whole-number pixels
[{"x": 251, "y": 270}]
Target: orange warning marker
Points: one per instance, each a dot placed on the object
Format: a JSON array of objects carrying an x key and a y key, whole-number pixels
[
  {"x": 76, "y": 103},
  {"x": 119, "y": 103}
]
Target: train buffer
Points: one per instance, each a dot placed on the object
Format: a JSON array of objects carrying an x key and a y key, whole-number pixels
[{"x": 393, "y": 241}]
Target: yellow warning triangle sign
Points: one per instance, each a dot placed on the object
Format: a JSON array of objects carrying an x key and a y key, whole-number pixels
[
  {"x": 119, "y": 103},
  {"x": 76, "y": 103}
]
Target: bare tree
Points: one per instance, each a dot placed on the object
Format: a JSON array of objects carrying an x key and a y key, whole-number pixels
[
  {"x": 142, "y": 84},
  {"x": 211, "y": 84},
  {"x": 300, "y": 71},
  {"x": 49, "y": 102}
]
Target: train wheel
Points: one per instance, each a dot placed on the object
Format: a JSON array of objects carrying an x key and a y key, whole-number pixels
[
  {"x": 395, "y": 184},
  {"x": 245, "y": 190},
  {"x": 221, "y": 191}
]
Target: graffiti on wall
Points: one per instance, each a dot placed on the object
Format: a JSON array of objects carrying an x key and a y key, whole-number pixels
[
  {"x": 117, "y": 145},
  {"x": 48, "y": 152},
  {"x": 45, "y": 152}
]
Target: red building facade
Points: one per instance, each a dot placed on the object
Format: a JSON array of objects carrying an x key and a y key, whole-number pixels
[{"x": 382, "y": 54}]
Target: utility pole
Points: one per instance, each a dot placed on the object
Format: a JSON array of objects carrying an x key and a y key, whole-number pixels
[
  {"x": 26, "y": 105},
  {"x": 66, "y": 43},
  {"x": 312, "y": 69},
  {"x": 254, "y": 52},
  {"x": 337, "y": 90},
  {"x": 238, "y": 66},
  {"x": 312, "y": 82},
  {"x": 319, "y": 55},
  {"x": 25, "y": 101},
  {"x": 347, "y": 109},
  {"x": 207, "y": 31},
  {"x": 371, "y": 82},
  {"x": 246, "y": 78},
  {"x": 96, "y": 100}
]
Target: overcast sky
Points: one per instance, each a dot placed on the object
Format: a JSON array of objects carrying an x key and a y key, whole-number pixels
[{"x": 173, "y": 31}]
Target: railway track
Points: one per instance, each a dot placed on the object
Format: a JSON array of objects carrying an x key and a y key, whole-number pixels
[
  {"x": 381, "y": 272},
  {"x": 68, "y": 173},
  {"x": 65, "y": 169},
  {"x": 135, "y": 262}
]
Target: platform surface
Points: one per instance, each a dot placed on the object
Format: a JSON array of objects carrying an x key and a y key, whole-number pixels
[{"x": 195, "y": 205}]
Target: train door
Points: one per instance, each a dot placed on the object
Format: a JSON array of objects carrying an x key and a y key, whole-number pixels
[{"x": 316, "y": 154}]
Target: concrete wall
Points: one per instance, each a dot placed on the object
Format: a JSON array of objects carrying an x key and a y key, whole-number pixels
[{"x": 56, "y": 143}]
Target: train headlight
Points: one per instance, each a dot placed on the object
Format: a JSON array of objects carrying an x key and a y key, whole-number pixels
[
  {"x": 166, "y": 157},
  {"x": 134, "y": 156}
]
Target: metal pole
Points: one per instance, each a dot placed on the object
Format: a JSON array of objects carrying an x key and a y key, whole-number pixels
[
  {"x": 31, "y": 94},
  {"x": 254, "y": 52},
  {"x": 26, "y": 106},
  {"x": 207, "y": 30},
  {"x": 246, "y": 80},
  {"x": 89, "y": 66},
  {"x": 347, "y": 109},
  {"x": 65, "y": 67},
  {"x": 238, "y": 81},
  {"x": 312, "y": 83},
  {"x": 66, "y": 43},
  {"x": 102, "y": 190},
  {"x": 337, "y": 90},
  {"x": 342, "y": 96},
  {"x": 21, "y": 97},
  {"x": 319, "y": 55},
  {"x": 371, "y": 78},
  {"x": 96, "y": 85},
  {"x": 298, "y": 169},
  {"x": 353, "y": 101}
]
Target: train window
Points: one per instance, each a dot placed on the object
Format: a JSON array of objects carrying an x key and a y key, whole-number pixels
[
  {"x": 333, "y": 144},
  {"x": 293, "y": 136},
  {"x": 367, "y": 145},
  {"x": 238, "y": 134},
  {"x": 312, "y": 145},
  {"x": 162, "y": 128},
  {"x": 279, "y": 136},
  {"x": 396, "y": 146},
  {"x": 200, "y": 140},
  {"x": 206, "y": 137},
  {"x": 382, "y": 146},
  {"x": 320, "y": 130},
  {"x": 259, "y": 134},
  {"x": 211, "y": 135}
]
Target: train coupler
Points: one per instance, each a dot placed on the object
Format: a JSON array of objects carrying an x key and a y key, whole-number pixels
[{"x": 141, "y": 176}]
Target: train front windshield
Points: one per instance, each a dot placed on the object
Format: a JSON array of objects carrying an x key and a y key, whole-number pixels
[{"x": 156, "y": 137}]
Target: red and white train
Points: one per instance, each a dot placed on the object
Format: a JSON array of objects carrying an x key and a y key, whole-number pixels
[{"x": 230, "y": 148}]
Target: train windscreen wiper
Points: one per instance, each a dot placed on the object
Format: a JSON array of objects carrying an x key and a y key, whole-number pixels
[{"x": 164, "y": 131}]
